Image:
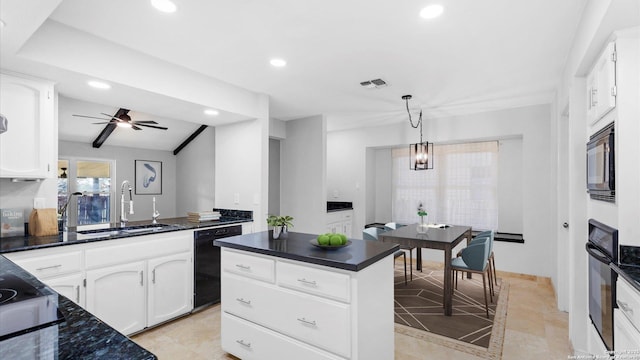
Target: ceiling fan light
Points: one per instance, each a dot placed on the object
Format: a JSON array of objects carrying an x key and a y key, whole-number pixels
[
  {"x": 431, "y": 11},
  {"x": 124, "y": 124},
  {"x": 166, "y": 6},
  {"x": 98, "y": 85}
]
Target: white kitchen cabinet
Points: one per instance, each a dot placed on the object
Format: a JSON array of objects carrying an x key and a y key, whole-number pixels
[
  {"x": 70, "y": 286},
  {"x": 60, "y": 268},
  {"x": 626, "y": 319},
  {"x": 27, "y": 136},
  {"x": 169, "y": 290},
  {"x": 273, "y": 308},
  {"x": 601, "y": 85},
  {"x": 117, "y": 295},
  {"x": 340, "y": 222},
  {"x": 247, "y": 227}
]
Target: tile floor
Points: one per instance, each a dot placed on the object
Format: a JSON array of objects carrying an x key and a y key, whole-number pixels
[{"x": 535, "y": 329}]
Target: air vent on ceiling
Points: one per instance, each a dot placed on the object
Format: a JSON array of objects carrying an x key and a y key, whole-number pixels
[{"x": 375, "y": 83}]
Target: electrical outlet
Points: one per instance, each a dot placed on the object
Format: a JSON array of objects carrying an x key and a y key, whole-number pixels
[
  {"x": 39, "y": 203},
  {"x": 236, "y": 198}
]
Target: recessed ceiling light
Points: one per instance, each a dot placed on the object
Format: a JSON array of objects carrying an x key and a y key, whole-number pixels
[
  {"x": 278, "y": 62},
  {"x": 166, "y": 6},
  {"x": 98, "y": 84},
  {"x": 431, "y": 11},
  {"x": 211, "y": 112}
]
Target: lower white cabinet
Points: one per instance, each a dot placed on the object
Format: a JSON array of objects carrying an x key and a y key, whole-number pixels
[
  {"x": 340, "y": 222},
  {"x": 169, "y": 289},
  {"x": 626, "y": 319},
  {"x": 275, "y": 308},
  {"x": 117, "y": 295},
  {"x": 70, "y": 286}
]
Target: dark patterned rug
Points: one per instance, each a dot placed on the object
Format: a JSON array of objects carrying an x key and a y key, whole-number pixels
[{"x": 418, "y": 305}]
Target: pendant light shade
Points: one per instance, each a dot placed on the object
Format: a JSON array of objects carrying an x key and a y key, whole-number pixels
[{"x": 420, "y": 154}]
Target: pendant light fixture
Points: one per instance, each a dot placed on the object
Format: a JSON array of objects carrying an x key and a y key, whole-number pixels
[{"x": 420, "y": 154}]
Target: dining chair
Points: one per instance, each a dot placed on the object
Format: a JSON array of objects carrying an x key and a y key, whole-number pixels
[
  {"x": 474, "y": 259},
  {"x": 393, "y": 226},
  {"x": 492, "y": 264},
  {"x": 371, "y": 233}
]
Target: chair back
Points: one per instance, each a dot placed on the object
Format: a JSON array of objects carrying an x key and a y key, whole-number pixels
[
  {"x": 370, "y": 233},
  {"x": 477, "y": 254},
  {"x": 485, "y": 234},
  {"x": 390, "y": 226}
]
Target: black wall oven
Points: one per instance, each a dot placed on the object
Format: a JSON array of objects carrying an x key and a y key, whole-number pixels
[{"x": 602, "y": 248}]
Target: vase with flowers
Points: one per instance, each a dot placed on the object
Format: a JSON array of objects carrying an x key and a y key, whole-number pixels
[
  {"x": 280, "y": 224},
  {"x": 422, "y": 226}
]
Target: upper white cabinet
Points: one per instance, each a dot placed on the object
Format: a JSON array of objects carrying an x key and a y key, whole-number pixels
[
  {"x": 601, "y": 85},
  {"x": 340, "y": 222},
  {"x": 27, "y": 130}
]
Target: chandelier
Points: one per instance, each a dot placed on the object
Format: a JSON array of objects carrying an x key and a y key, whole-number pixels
[{"x": 420, "y": 154}]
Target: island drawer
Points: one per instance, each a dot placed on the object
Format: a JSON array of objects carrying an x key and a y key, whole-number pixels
[
  {"x": 330, "y": 284},
  {"x": 49, "y": 262},
  {"x": 249, "y": 341},
  {"x": 248, "y": 265}
]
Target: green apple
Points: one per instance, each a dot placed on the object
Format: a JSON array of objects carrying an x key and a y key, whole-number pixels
[
  {"x": 323, "y": 240},
  {"x": 335, "y": 240},
  {"x": 343, "y": 237}
]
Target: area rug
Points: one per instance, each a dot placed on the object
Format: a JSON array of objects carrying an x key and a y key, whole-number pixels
[{"x": 419, "y": 312}]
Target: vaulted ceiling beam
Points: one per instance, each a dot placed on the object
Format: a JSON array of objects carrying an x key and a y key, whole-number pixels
[
  {"x": 189, "y": 139},
  {"x": 108, "y": 129}
]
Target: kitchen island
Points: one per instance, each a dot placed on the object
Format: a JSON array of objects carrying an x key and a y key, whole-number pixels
[{"x": 287, "y": 298}]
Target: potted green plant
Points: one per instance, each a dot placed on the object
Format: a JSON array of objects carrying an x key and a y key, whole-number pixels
[
  {"x": 280, "y": 224},
  {"x": 422, "y": 226}
]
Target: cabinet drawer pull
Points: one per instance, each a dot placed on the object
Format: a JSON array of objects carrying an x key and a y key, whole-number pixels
[
  {"x": 77, "y": 294},
  {"x": 49, "y": 267},
  {"x": 243, "y": 267},
  {"x": 247, "y": 302},
  {"x": 141, "y": 278},
  {"x": 625, "y": 307},
  {"x": 308, "y": 322},
  {"x": 153, "y": 276},
  {"x": 308, "y": 282},
  {"x": 245, "y": 344}
]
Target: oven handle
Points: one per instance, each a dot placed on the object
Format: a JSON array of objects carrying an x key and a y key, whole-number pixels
[{"x": 597, "y": 254}]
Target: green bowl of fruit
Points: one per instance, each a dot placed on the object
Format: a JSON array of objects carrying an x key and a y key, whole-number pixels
[{"x": 330, "y": 241}]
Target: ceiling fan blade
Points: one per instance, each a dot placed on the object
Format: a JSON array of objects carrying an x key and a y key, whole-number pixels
[
  {"x": 144, "y": 122},
  {"x": 91, "y": 117},
  {"x": 135, "y": 127},
  {"x": 155, "y": 127},
  {"x": 106, "y": 122}
]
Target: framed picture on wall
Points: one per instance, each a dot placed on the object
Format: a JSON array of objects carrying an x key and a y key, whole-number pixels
[{"x": 148, "y": 177}]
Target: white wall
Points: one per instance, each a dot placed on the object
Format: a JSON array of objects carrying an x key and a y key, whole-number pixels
[
  {"x": 125, "y": 169},
  {"x": 510, "y": 186},
  {"x": 195, "y": 174},
  {"x": 600, "y": 19},
  {"x": 274, "y": 176},
  {"x": 303, "y": 190},
  {"x": 346, "y": 169},
  {"x": 383, "y": 185}
]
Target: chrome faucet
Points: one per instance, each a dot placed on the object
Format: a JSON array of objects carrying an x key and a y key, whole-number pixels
[
  {"x": 63, "y": 210},
  {"x": 123, "y": 215},
  {"x": 155, "y": 214}
]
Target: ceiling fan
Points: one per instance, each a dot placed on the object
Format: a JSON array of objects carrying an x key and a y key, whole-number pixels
[{"x": 124, "y": 120}]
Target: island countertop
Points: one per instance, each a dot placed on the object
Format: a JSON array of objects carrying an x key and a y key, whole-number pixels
[
  {"x": 80, "y": 336},
  {"x": 297, "y": 246}
]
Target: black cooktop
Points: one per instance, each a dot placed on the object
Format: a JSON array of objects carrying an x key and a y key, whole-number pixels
[{"x": 24, "y": 308}]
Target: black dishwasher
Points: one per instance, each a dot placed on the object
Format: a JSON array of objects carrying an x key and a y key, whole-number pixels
[{"x": 206, "y": 284}]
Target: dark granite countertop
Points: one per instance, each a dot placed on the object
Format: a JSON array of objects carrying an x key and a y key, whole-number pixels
[
  {"x": 80, "y": 336},
  {"x": 297, "y": 246},
  {"x": 629, "y": 266},
  {"x": 22, "y": 243}
]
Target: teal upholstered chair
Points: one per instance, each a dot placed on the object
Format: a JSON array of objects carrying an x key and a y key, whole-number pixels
[
  {"x": 371, "y": 233},
  {"x": 475, "y": 259},
  {"x": 392, "y": 226},
  {"x": 492, "y": 262}
]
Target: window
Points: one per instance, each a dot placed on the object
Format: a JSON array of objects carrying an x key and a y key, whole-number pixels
[
  {"x": 462, "y": 188},
  {"x": 93, "y": 179}
]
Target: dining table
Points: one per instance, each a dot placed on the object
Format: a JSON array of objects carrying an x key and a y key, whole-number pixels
[{"x": 443, "y": 237}]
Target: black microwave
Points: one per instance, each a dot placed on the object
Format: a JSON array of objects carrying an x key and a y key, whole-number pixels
[{"x": 601, "y": 179}]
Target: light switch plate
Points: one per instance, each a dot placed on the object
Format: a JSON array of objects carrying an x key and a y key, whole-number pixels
[{"x": 39, "y": 203}]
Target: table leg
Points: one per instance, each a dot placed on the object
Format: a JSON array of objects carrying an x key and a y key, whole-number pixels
[
  {"x": 419, "y": 258},
  {"x": 468, "y": 235},
  {"x": 448, "y": 285}
]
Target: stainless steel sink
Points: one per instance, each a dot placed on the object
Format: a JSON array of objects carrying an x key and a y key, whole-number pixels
[{"x": 135, "y": 229}]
